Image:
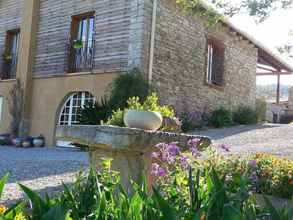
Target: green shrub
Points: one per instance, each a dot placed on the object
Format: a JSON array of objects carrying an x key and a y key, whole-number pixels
[
  {"x": 116, "y": 118},
  {"x": 245, "y": 115},
  {"x": 128, "y": 85},
  {"x": 261, "y": 109},
  {"x": 221, "y": 118},
  {"x": 3, "y": 142},
  {"x": 95, "y": 114},
  {"x": 193, "y": 120}
]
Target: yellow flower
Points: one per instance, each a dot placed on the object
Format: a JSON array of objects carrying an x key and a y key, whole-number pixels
[
  {"x": 20, "y": 216},
  {"x": 2, "y": 209}
]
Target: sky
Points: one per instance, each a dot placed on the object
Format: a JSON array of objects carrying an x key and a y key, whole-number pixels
[{"x": 273, "y": 32}]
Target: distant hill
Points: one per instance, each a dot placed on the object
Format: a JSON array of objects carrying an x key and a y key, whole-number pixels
[{"x": 269, "y": 92}]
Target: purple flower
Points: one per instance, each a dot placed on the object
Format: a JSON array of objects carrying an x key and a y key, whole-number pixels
[
  {"x": 184, "y": 162},
  {"x": 224, "y": 147},
  {"x": 162, "y": 172},
  {"x": 161, "y": 146},
  {"x": 253, "y": 163},
  {"x": 253, "y": 177},
  {"x": 195, "y": 152},
  {"x": 158, "y": 171},
  {"x": 193, "y": 142},
  {"x": 173, "y": 149},
  {"x": 155, "y": 169}
]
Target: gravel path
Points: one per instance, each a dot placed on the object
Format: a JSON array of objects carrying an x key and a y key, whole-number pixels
[
  {"x": 270, "y": 138},
  {"x": 42, "y": 169}
]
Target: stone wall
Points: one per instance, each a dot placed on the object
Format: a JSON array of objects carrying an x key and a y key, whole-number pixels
[
  {"x": 179, "y": 63},
  {"x": 117, "y": 23},
  {"x": 10, "y": 19}
]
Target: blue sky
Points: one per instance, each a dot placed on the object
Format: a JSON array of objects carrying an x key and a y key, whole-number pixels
[{"x": 273, "y": 32}]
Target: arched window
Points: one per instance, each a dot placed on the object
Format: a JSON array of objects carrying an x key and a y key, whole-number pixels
[{"x": 69, "y": 111}]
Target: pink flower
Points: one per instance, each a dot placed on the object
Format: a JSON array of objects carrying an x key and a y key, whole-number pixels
[
  {"x": 193, "y": 142},
  {"x": 162, "y": 172},
  {"x": 155, "y": 155}
]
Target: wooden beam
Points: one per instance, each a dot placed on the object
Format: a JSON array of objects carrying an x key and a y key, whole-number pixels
[
  {"x": 272, "y": 73},
  {"x": 278, "y": 89}
]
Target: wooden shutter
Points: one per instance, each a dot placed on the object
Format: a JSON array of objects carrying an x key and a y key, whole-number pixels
[{"x": 218, "y": 64}]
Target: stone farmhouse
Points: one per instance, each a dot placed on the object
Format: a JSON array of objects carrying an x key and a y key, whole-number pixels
[{"x": 66, "y": 52}]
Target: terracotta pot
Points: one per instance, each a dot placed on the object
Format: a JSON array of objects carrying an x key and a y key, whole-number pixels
[
  {"x": 38, "y": 142},
  {"x": 146, "y": 120}
]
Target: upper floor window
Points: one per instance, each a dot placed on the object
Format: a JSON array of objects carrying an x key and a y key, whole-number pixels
[
  {"x": 82, "y": 43},
  {"x": 215, "y": 62},
  {"x": 10, "y": 55}
]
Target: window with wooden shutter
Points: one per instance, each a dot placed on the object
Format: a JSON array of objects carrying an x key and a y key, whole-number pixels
[{"x": 215, "y": 62}]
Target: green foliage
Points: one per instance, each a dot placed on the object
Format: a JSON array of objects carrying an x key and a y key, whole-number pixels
[
  {"x": 150, "y": 104},
  {"x": 245, "y": 115},
  {"x": 266, "y": 173},
  {"x": 4, "y": 142},
  {"x": 261, "y": 109},
  {"x": 95, "y": 114},
  {"x": 116, "y": 118},
  {"x": 221, "y": 118},
  {"x": 194, "y": 120},
  {"x": 128, "y": 85}
]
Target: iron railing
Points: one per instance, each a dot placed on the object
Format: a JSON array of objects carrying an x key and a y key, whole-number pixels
[{"x": 82, "y": 59}]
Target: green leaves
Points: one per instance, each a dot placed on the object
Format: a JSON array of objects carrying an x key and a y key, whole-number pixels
[{"x": 3, "y": 181}]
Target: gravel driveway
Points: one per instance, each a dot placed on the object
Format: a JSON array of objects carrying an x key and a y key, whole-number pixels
[
  {"x": 271, "y": 138},
  {"x": 42, "y": 169}
]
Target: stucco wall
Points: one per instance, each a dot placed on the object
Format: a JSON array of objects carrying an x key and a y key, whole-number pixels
[
  {"x": 50, "y": 93},
  {"x": 10, "y": 19},
  {"x": 117, "y": 22},
  {"x": 5, "y": 88},
  {"x": 179, "y": 63}
]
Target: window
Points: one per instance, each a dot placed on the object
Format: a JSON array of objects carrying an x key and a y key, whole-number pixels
[
  {"x": 1, "y": 107},
  {"x": 82, "y": 43},
  {"x": 69, "y": 114},
  {"x": 215, "y": 62},
  {"x": 10, "y": 55}
]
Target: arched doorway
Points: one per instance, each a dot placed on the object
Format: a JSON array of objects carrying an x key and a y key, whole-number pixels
[{"x": 69, "y": 112}]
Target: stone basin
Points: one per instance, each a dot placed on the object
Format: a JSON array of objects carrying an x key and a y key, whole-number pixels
[{"x": 130, "y": 148}]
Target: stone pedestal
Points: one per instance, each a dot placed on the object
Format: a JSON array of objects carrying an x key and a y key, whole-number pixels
[{"x": 129, "y": 148}]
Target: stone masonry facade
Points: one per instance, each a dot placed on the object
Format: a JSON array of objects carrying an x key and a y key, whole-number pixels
[
  {"x": 179, "y": 72},
  {"x": 122, "y": 41},
  {"x": 10, "y": 19}
]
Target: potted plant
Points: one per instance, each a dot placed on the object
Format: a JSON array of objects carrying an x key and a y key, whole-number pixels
[
  {"x": 17, "y": 142},
  {"x": 7, "y": 57},
  {"x": 27, "y": 142},
  {"x": 39, "y": 141},
  {"x": 147, "y": 116},
  {"x": 77, "y": 44}
]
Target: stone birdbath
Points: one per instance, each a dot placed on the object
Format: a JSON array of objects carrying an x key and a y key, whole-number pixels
[{"x": 130, "y": 148}]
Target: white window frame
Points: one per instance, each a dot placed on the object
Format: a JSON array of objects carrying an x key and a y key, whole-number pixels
[
  {"x": 69, "y": 103},
  {"x": 210, "y": 63},
  {"x": 1, "y": 107}
]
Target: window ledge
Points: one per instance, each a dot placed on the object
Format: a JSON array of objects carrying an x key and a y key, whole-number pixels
[
  {"x": 215, "y": 86},
  {"x": 7, "y": 80}
]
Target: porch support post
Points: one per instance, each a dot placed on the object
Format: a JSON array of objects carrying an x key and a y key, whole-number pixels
[
  {"x": 26, "y": 56},
  {"x": 278, "y": 88}
]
